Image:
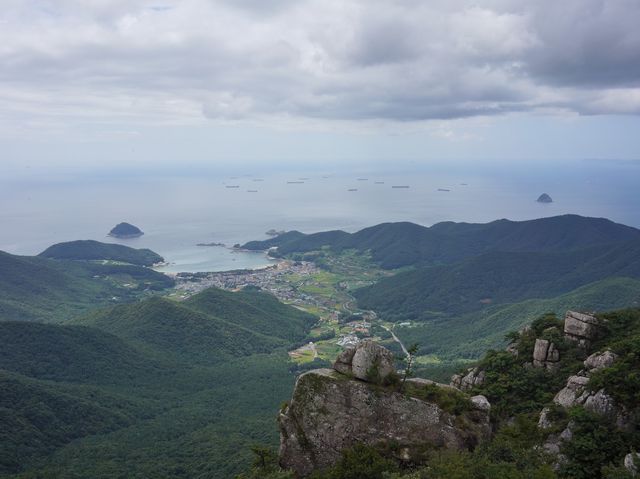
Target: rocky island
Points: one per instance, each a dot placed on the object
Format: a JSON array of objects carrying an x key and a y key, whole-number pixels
[
  {"x": 125, "y": 231},
  {"x": 544, "y": 198}
]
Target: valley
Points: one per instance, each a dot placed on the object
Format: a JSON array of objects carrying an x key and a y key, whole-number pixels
[{"x": 178, "y": 376}]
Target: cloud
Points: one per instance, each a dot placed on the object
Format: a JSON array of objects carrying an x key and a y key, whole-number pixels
[{"x": 396, "y": 61}]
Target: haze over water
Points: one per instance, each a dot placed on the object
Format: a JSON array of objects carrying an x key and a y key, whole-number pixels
[{"x": 178, "y": 210}]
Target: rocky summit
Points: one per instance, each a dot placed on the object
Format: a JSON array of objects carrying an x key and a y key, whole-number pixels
[{"x": 334, "y": 409}]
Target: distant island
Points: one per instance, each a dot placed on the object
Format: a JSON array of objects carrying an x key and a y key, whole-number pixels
[
  {"x": 210, "y": 244},
  {"x": 544, "y": 198},
  {"x": 274, "y": 232},
  {"x": 125, "y": 230}
]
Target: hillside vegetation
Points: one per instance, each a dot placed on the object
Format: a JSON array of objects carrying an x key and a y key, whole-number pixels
[
  {"x": 536, "y": 432},
  {"x": 394, "y": 245},
  {"x": 95, "y": 250},
  {"x": 150, "y": 389},
  {"x": 211, "y": 326},
  {"x": 34, "y": 288},
  {"x": 461, "y": 309}
]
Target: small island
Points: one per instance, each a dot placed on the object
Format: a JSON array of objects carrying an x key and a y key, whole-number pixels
[
  {"x": 210, "y": 244},
  {"x": 125, "y": 230},
  {"x": 544, "y": 198}
]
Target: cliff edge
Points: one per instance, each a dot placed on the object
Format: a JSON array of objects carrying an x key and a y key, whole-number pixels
[{"x": 331, "y": 411}]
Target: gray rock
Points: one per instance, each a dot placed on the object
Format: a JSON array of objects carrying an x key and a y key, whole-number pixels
[
  {"x": 330, "y": 412},
  {"x": 600, "y": 360},
  {"x": 481, "y": 403},
  {"x": 567, "y": 434},
  {"x": 581, "y": 327},
  {"x": 428, "y": 382},
  {"x": 553, "y": 446},
  {"x": 631, "y": 462},
  {"x": 544, "y": 422},
  {"x": 540, "y": 350},
  {"x": 573, "y": 393},
  {"x": 369, "y": 357},
  {"x": 342, "y": 363},
  {"x": 601, "y": 403},
  {"x": 545, "y": 354},
  {"x": 474, "y": 377}
]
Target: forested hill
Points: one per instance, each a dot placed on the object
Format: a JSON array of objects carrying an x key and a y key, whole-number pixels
[
  {"x": 95, "y": 250},
  {"x": 394, "y": 245},
  {"x": 170, "y": 389},
  {"x": 497, "y": 277},
  {"x": 464, "y": 308},
  {"x": 33, "y": 288},
  {"x": 211, "y": 326}
]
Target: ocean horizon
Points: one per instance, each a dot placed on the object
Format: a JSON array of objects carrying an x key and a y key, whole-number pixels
[{"x": 178, "y": 211}]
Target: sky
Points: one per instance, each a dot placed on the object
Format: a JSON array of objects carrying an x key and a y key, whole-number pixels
[{"x": 116, "y": 83}]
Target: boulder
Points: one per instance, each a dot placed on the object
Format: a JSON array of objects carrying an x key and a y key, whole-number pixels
[
  {"x": 367, "y": 361},
  {"x": 631, "y": 462},
  {"x": 372, "y": 362},
  {"x": 342, "y": 363},
  {"x": 553, "y": 445},
  {"x": 581, "y": 327},
  {"x": 481, "y": 403},
  {"x": 544, "y": 422},
  {"x": 330, "y": 412},
  {"x": 600, "y": 360},
  {"x": 573, "y": 394},
  {"x": 473, "y": 377},
  {"x": 601, "y": 403},
  {"x": 545, "y": 354}
]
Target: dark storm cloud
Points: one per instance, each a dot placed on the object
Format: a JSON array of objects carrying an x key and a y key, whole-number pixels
[{"x": 396, "y": 60}]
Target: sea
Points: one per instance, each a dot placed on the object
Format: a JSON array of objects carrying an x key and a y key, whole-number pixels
[{"x": 178, "y": 208}]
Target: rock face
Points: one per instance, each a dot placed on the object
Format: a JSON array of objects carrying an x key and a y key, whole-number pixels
[
  {"x": 330, "y": 412},
  {"x": 600, "y": 360},
  {"x": 367, "y": 361},
  {"x": 631, "y": 462},
  {"x": 545, "y": 354},
  {"x": 474, "y": 377},
  {"x": 581, "y": 327},
  {"x": 575, "y": 393}
]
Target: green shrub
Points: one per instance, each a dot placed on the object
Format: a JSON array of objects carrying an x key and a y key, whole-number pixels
[{"x": 448, "y": 399}]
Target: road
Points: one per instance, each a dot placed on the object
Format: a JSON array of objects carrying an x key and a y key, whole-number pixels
[{"x": 397, "y": 340}]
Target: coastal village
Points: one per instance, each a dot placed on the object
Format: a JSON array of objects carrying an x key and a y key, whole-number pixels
[{"x": 308, "y": 287}]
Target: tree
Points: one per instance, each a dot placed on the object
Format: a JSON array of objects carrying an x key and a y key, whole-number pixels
[{"x": 408, "y": 371}]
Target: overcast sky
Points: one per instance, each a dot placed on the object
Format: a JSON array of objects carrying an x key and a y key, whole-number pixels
[{"x": 111, "y": 82}]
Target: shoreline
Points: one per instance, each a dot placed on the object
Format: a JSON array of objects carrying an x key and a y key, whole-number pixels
[{"x": 273, "y": 265}]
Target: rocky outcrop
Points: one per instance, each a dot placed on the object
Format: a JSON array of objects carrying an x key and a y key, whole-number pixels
[
  {"x": 581, "y": 327},
  {"x": 573, "y": 394},
  {"x": 545, "y": 354},
  {"x": 342, "y": 363},
  {"x": 331, "y": 411},
  {"x": 600, "y": 360},
  {"x": 473, "y": 377},
  {"x": 631, "y": 462},
  {"x": 367, "y": 361}
]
